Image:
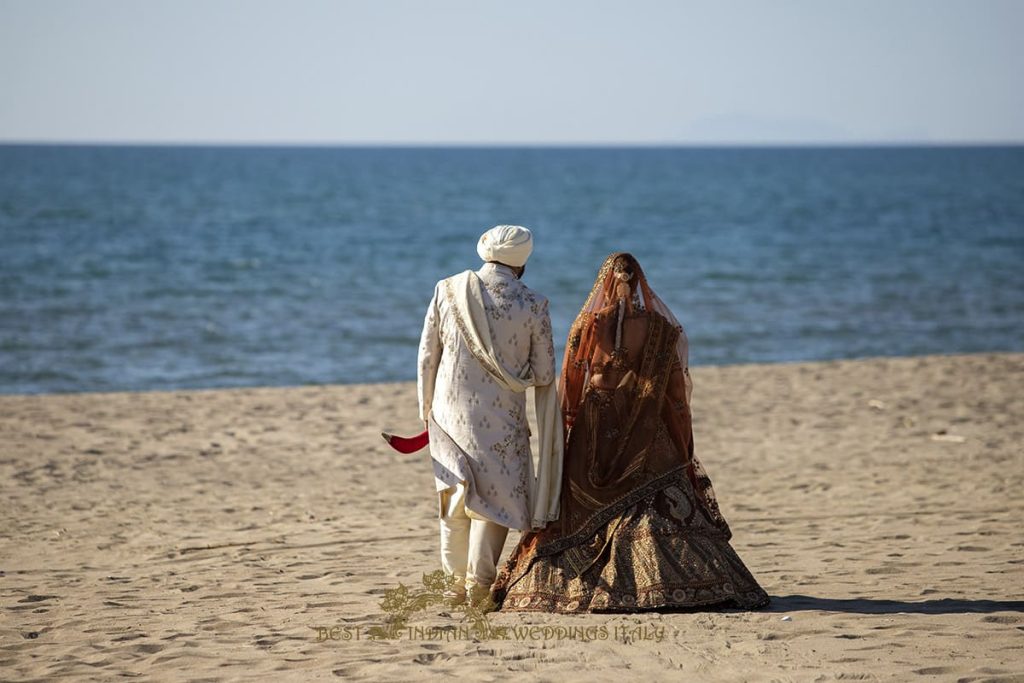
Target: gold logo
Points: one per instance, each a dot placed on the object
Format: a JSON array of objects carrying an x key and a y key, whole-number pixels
[{"x": 401, "y": 603}]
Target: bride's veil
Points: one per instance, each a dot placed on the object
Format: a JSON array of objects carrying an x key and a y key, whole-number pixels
[
  {"x": 581, "y": 341},
  {"x": 582, "y": 344}
]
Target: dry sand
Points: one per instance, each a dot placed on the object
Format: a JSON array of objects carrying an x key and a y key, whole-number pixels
[{"x": 205, "y": 535}]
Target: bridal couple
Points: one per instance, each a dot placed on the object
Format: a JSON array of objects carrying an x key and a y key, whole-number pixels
[{"x": 618, "y": 514}]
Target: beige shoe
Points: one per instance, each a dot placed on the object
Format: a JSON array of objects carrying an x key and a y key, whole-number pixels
[
  {"x": 454, "y": 597},
  {"x": 480, "y": 597}
]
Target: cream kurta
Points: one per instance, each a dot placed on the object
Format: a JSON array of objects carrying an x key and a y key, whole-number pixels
[{"x": 478, "y": 432}]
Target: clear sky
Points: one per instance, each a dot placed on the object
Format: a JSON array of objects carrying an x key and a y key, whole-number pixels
[{"x": 512, "y": 71}]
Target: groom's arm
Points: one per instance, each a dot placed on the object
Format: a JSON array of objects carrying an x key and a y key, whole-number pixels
[
  {"x": 542, "y": 347},
  {"x": 429, "y": 357}
]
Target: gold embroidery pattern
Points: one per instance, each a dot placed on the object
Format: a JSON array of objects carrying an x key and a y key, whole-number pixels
[{"x": 687, "y": 563}]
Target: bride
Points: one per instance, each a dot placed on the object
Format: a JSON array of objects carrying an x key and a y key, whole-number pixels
[{"x": 639, "y": 526}]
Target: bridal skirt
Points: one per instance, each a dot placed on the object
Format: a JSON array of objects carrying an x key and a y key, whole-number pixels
[{"x": 660, "y": 552}]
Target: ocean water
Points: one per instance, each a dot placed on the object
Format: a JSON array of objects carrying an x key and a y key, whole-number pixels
[{"x": 136, "y": 268}]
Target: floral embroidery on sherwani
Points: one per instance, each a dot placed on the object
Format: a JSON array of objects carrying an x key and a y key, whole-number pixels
[{"x": 478, "y": 430}]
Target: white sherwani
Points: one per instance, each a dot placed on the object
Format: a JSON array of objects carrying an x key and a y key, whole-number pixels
[{"x": 478, "y": 429}]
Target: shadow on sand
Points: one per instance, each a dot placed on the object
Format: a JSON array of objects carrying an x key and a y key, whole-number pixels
[{"x": 797, "y": 603}]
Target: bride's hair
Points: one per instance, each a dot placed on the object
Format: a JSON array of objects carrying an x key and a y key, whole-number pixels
[{"x": 627, "y": 264}]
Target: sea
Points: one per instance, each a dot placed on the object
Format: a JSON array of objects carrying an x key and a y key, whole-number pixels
[{"x": 172, "y": 267}]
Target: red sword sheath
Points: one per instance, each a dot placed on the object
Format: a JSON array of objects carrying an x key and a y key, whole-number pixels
[{"x": 407, "y": 444}]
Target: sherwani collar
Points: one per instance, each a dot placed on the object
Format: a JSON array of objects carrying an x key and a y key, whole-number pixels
[{"x": 497, "y": 270}]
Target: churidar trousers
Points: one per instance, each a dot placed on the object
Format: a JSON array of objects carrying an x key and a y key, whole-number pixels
[{"x": 470, "y": 544}]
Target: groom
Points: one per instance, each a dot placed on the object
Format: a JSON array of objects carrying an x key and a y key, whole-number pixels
[{"x": 486, "y": 339}]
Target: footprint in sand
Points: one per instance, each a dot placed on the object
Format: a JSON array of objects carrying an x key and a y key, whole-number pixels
[
  {"x": 1000, "y": 619},
  {"x": 430, "y": 658}
]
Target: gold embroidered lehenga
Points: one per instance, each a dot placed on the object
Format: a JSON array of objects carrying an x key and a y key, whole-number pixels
[{"x": 639, "y": 526}]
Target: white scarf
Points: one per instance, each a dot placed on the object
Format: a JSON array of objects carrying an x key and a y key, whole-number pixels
[{"x": 466, "y": 296}]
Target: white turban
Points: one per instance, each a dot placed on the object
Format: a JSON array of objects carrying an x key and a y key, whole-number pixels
[{"x": 508, "y": 244}]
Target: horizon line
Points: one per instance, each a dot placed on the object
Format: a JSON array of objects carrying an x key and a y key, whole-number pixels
[{"x": 284, "y": 144}]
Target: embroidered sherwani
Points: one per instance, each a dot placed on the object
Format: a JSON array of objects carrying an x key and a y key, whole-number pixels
[{"x": 479, "y": 433}]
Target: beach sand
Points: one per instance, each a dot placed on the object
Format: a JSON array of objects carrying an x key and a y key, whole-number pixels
[{"x": 218, "y": 535}]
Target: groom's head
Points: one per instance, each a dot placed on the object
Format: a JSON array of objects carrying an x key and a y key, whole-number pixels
[{"x": 509, "y": 245}]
